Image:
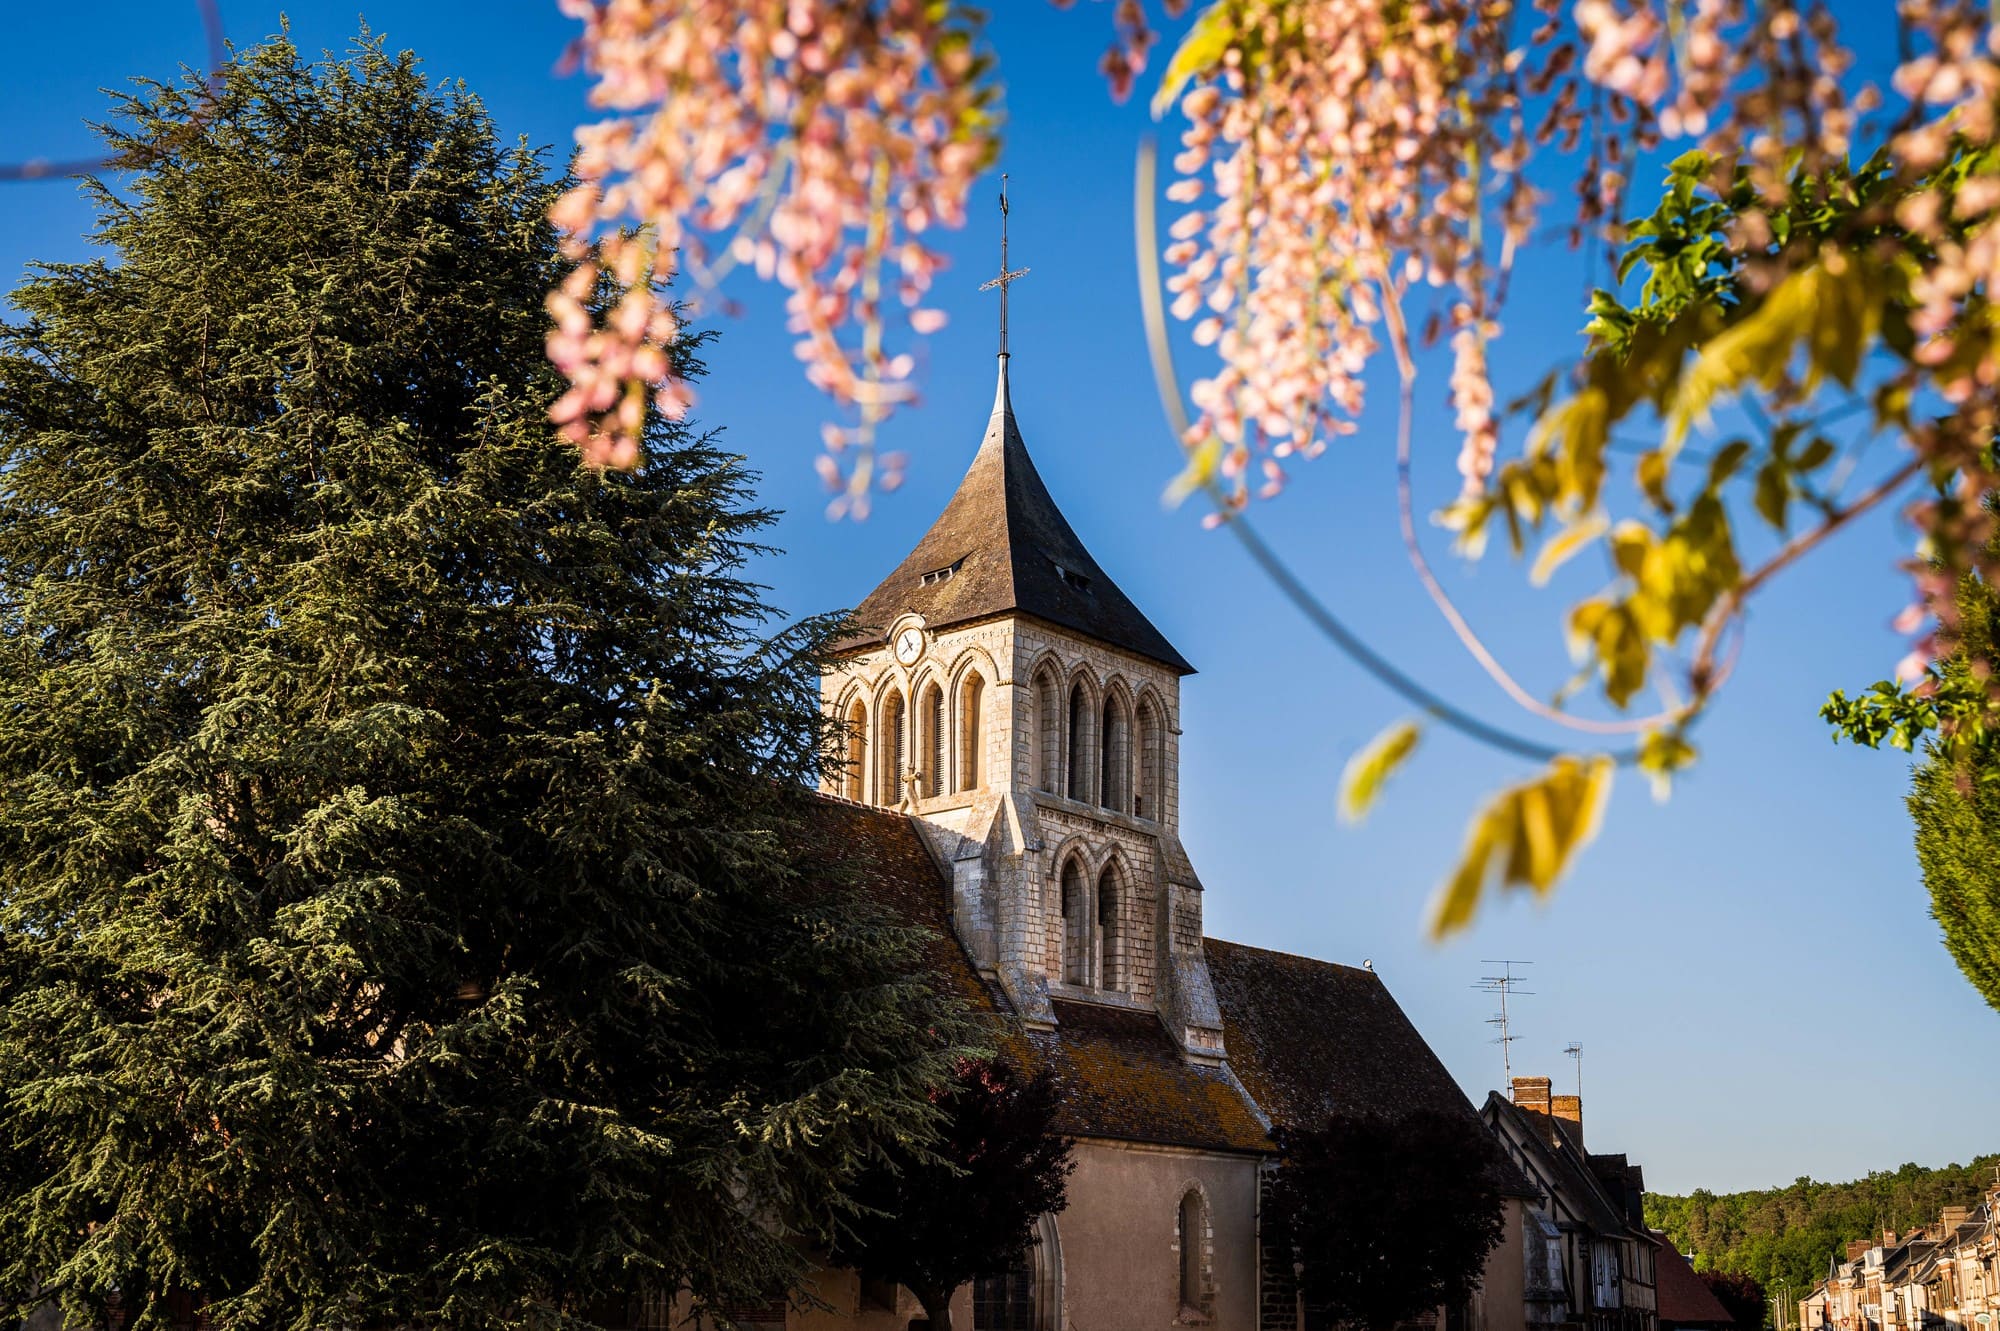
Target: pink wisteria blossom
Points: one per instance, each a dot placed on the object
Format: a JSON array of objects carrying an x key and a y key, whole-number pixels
[{"x": 1353, "y": 177}]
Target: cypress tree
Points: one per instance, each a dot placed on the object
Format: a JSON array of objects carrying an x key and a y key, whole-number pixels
[
  {"x": 401, "y": 911},
  {"x": 1954, "y": 802}
]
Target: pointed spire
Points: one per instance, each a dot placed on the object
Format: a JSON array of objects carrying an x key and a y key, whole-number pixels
[
  {"x": 1003, "y": 401},
  {"x": 1001, "y": 546}
]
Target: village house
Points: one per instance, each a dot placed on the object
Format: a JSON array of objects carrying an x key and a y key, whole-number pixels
[
  {"x": 1588, "y": 1218},
  {"x": 1012, "y": 779},
  {"x": 1945, "y": 1275}
]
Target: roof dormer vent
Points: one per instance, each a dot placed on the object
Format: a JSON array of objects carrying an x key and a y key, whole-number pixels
[
  {"x": 1071, "y": 578},
  {"x": 937, "y": 575}
]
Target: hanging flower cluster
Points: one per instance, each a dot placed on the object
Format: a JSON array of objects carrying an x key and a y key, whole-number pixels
[
  {"x": 816, "y": 142},
  {"x": 1345, "y": 150},
  {"x": 1356, "y": 178}
]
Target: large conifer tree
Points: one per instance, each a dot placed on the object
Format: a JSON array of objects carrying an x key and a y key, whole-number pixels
[{"x": 398, "y": 914}]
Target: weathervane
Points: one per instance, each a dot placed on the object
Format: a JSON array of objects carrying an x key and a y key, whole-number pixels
[{"x": 1007, "y": 276}]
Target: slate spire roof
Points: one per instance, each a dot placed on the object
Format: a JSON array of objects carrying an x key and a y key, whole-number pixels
[{"x": 1001, "y": 546}]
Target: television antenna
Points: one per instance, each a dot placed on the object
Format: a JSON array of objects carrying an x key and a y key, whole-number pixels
[
  {"x": 1574, "y": 1051},
  {"x": 1504, "y": 984}
]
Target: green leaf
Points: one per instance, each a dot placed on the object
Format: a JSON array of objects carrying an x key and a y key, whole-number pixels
[
  {"x": 1819, "y": 451},
  {"x": 1199, "y": 471},
  {"x": 1564, "y": 545},
  {"x": 1661, "y": 754},
  {"x": 1529, "y": 834},
  {"x": 1199, "y": 52},
  {"x": 1362, "y": 779},
  {"x": 1726, "y": 461},
  {"x": 1774, "y": 493}
]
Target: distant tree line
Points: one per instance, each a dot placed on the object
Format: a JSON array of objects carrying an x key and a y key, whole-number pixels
[{"x": 1788, "y": 1234}]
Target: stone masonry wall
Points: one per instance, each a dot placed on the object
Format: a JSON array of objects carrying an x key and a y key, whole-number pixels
[{"x": 1007, "y": 841}]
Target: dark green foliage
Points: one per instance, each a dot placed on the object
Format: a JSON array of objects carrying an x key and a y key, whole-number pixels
[
  {"x": 1789, "y": 1233},
  {"x": 1955, "y": 804},
  {"x": 936, "y": 1220},
  {"x": 1740, "y": 1296},
  {"x": 1957, "y": 813},
  {"x": 1954, "y": 798},
  {"x": 1388, "y": 1217},
  {"x": 399, "y": 921}
]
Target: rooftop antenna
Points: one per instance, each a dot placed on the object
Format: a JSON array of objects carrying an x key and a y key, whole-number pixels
[
  {"x": 1007, "y": 276},
  {"x": 1503, "y": 984},
  {"x": 1574, "y": 1049}
]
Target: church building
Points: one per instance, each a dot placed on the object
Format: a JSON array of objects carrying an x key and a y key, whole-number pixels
[{"x": 1013, "y": 726}]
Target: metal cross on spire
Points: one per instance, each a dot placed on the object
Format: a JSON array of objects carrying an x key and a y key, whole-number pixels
[{"x": 1007, "y": 277}]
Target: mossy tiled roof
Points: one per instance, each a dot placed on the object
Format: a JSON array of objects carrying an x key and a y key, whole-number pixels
[{"x": 1305, "y": 1038}]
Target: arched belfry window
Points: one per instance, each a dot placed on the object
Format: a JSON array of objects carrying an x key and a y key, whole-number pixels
[
  {"x": 931, "y": 752},
  {"x": 854, "y": 784},
  {"x": 971, "y": 733},
  {"x": 1146, "y": 799},
  {"x": 1048, "y": 732},
  {"x": 1114, "y": 784},
  {"x": 1079, "y": 743},
  {"x": 1075, "y": 926},
  {"x": 1191, "y": 1239},
  {"x": 892, "y": 751},
  {"x": 1113, "y": 967}
]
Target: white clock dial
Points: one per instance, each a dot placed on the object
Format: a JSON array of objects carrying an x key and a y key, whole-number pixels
[{"x": 909, "y": 646}]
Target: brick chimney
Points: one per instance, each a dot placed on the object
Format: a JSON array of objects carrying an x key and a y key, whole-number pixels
[
  {"x": 1888, "y": 1238},
  {"x": 1954, "y": 1216},
  {"x": 1532, "y": 1093},
  {"x": 1571, "y": 1108},
  {"x": 1857, "y": 1249}
]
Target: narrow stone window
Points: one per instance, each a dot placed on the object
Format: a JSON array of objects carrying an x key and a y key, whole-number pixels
[
  {"x": 1192, "y": 1241},
  {"x": 1076, "y": 926},
  {"x": 892, "y": 751},
  {"x": 1114, "y": 783},
  {"x": 855, "y": 782},
  {"x": 1079, "y": 744},
  {"x": 1049, "y": 732},
  {"x": 933, "y": 750},
  {"x": 1146, "y": 799},
  {"x": 1112, "y": 968},
  {"x": 971, "y": 733}
]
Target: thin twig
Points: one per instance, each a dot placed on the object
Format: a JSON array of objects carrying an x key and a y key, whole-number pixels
[
  {"x": 1392, "y": 311},
  {"x": 1167, "y": 380},
  {"x": 1731, "y": 603},
  {"x": 40, "y": 168}
]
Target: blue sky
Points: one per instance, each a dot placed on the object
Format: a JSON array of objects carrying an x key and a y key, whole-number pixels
[{"x": 1750, "y": 968}]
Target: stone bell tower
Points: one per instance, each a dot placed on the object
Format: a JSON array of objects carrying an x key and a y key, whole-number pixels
[{"x": 1003, "y": 691}]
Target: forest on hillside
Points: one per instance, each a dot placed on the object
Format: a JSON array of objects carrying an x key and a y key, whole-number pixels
[{"x": 1787, "y": 1234}]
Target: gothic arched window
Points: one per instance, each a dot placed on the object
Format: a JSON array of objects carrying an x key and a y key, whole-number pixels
[
  {"x": 1075, "y": 926},
  {"x": 1146, "y": 800},
  {"x": 1114, "y": 786},
  {"x": 1079, "y": 743},
  {"x": 931, "y": 751},
  {"x": 1048, "y": 732},
  {"x": 1028, "y": 1295},
  {"x": 892, "y": 751},
  {"x": 854, "y": 779},
  {"x": 1112, "y": 968},
  {"x": 971, "y": 733}
]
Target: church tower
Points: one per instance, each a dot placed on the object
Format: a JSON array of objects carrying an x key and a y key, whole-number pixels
[{"x": 1003, "y": 691}]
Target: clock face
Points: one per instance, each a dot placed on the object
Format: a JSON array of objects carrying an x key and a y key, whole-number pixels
[{"x": 909, "y": 645}]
